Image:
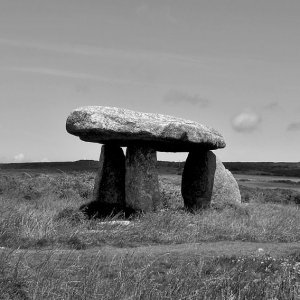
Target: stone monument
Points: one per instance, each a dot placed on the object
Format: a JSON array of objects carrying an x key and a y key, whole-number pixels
[{"x": 132, "y": 181}]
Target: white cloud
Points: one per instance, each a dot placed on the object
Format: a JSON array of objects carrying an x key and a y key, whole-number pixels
[
  {"x": 246, "y": 121},
  {"x": 104, "y": 52},
  {"x": 19, "y": 158},
  {"x": 175, "y": 96},
  {"x": 59, "y": 48},
  {"x": 77, "y": 75},
  {"x": 56, "y": 73}
]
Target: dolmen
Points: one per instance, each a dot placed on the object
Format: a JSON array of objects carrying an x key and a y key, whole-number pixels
[{"x": 131, "y": 181}]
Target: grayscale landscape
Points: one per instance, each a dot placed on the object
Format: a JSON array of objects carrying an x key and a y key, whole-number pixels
[
  {"x": 150, "y": 149},
  {"x": 50, "y": 248}
]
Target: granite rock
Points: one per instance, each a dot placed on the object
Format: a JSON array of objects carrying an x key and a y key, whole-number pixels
[
  {"x": 206, "y": 182},
  {"x": 125, "y": 127},
  {"x": 141, "y": 179},
  {"x": 110, "y": 179}
]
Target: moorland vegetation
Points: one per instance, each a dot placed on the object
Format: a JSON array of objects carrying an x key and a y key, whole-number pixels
[{"x": 51, "y": 250}]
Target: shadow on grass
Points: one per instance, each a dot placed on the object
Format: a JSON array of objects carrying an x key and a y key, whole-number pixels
[{"x": 95, "y": 209}]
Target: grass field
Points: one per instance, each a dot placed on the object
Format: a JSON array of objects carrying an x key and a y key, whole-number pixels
[{"x": 50, "y": 250}]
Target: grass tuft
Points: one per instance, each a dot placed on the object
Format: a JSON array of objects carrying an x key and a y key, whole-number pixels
[
  {"x": 168, "y": 276},
  {"x": 40, "y": 214}
]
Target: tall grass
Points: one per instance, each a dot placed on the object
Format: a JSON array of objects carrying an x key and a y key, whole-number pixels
[
  {"x": 42, "y": 211},
  {"x": 74, "y": 276},
  {"x": 40, "y": 221}
]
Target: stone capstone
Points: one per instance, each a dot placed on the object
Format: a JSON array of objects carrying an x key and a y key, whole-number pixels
[
  {"x": 125, "y": 127},
  {"x": 206, "y": 182},
  {"x": 141, "y": 179},
  {"x": 110, "y": 179}
]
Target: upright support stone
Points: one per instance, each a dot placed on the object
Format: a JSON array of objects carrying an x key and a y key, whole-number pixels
[
  {"x": 110, "y": 180},
  {"x": 206, "y": 182},
  {"x": 197, "y": 180},
  {"x": 141, "y": 179}
]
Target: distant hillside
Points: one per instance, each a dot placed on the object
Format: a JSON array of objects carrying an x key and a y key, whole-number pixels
[
  {"x": 80, "y": 165},
  {"x": 265, "y": 168},
  {"x": 254, "y": 168},
  {"x": 165, "y": 167}
]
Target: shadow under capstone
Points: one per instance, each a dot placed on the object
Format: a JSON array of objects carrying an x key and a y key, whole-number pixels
[{"x": 94, "y": 209}]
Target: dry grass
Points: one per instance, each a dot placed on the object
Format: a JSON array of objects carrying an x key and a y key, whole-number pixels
[
  {"x": 74, "y": 276},
  {"x": 41, "y": 212}
]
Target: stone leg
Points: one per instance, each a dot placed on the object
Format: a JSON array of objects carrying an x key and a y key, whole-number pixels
[
  {"x": 141, "y": 179},
  {"x": 110, "y": 180},
  {"x": 197, "y": 180},
  {"x": 206, "y": 182}
]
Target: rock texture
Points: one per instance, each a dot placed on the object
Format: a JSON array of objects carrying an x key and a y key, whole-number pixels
[
  {"x": 206, "y": 182},
  {"x": 110, "y": 179},
  {"x": 198, "y": 180},
  {"x": 132, "y": 183},
  {"x": 124, "y": 127},
  {"x": 225, "y": 190},
  {"x": 141, "y": 179}
]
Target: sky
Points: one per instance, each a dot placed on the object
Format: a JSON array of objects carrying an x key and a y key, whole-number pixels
[{"x": 233, "y": 65}]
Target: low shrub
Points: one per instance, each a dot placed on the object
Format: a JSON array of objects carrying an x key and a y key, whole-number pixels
[{"x": 259, "y": 195}]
